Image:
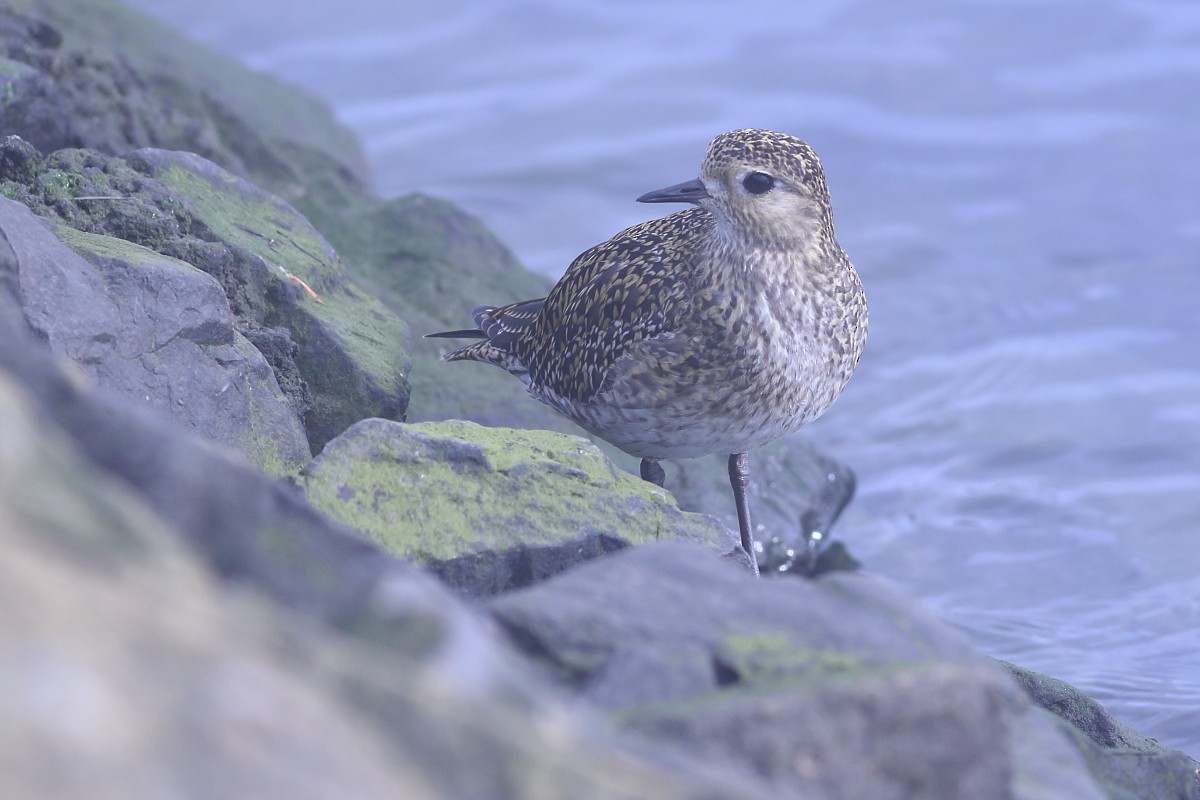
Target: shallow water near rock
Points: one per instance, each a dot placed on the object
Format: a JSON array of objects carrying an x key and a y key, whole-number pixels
[{"x": 1016, "y": 183}]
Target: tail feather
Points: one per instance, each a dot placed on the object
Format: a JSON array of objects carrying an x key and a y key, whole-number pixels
[
  {"x": 499, "y": 328},
  {"x": 465, "y": 333},
  {"x": 489, "y": 354}
]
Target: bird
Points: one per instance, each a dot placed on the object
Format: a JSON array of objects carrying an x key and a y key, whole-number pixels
[{"x": 718, "y": 328}]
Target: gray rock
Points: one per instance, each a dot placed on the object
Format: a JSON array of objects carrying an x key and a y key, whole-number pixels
[
  {"x": 1128, "y": 765},
  {"x": 351, "y": 351},
  {"x": 129, "y": 671},
  {"x": 835, "y": 688},
  {"x": 491, "y": 509},
  {"x": 106, "y": 78},
  {"x": 154, "y": 329},
  {"x": 339, "y": 355}
]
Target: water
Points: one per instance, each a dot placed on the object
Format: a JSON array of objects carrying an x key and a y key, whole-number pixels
[{"x": 1017, "y": 183}]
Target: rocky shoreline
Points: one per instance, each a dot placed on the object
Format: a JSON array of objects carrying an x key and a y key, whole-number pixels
[{"x": 198, "y": 294}]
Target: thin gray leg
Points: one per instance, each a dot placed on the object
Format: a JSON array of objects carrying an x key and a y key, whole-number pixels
[
  {"x": 652, "y": 471},
  {"x": 739, "y": 478}
]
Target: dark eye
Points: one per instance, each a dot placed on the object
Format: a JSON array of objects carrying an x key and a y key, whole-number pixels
[{"x": 758, "y": 183}]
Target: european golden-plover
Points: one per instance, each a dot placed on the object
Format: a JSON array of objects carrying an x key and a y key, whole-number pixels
[{"x": 716, "y": 329}]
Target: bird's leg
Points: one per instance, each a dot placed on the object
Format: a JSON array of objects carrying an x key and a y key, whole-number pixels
[
  {"x": 652, "y": 471},
  {"x": 739, "y": 479}
]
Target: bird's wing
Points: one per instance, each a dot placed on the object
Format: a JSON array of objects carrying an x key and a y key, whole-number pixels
[
  {"x": 631, "y": 288},
  {"x": 502, "y": 325}
]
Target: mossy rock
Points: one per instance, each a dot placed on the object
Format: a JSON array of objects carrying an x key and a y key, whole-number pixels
[{"x": 456, "y": 496}]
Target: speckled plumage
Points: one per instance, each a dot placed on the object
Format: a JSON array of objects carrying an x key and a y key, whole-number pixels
[{"x": 716, "y": 329}]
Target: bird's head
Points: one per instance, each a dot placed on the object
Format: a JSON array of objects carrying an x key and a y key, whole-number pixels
[{"x": 762, "y": 186}]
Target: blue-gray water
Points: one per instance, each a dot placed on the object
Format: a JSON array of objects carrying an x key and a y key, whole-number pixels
[{"x": 1018, "y": 182}]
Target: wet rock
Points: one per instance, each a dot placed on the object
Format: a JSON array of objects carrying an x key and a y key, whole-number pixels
[
  {"x": 490, "y": 509},
  {"x": 837, "y": 687},
  {"x": 152, "y": 328},
  {"x": 796, "y": 495}
]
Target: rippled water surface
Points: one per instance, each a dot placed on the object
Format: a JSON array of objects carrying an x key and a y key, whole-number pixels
[{"x": 1017, "y": 182}]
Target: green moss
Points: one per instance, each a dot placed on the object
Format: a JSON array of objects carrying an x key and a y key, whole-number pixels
[
  {"x": 56, "y": 184},
  {"x": 374, "y": 338},
  {"x": 774, "y": 655},
  {"x": 88, "y": 244},
  {"x": 440, "y": 490}
]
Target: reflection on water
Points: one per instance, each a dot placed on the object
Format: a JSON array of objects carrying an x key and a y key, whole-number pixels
[{"x": 1016, "y": 183}]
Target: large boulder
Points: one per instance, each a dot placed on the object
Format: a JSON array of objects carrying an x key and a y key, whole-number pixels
[{"x": 492, "y": 509}]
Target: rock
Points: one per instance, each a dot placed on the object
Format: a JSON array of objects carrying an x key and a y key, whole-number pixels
[
  {"x": 248, "y": 526},
  {"x": 345, "y": 357},
  {"x": 491, "y": 509},
  {"x": 1128, "y": 765},
  {"x": 433, "y": 264},
  {"x": 795, "y": 493},
  {"x": 96, "y": 74},
  {"x": 154, "y": 329},
  {"x": 352, "y": 351},
  {"x": 836, "y": 688},
  {"x": 129, "y": 670}
]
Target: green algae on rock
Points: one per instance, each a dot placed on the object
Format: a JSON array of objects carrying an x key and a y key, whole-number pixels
[
  {"x": 353, "y": 352},
  {"x": 350, "y": 357},
  {"x": 435, "y": 492},
  {"x": 153, "y": 329}
]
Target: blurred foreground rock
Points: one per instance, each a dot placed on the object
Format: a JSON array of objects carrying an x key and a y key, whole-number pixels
[
  {"x": 131, "y": 670},
  {"x": 838, "y": 687}
]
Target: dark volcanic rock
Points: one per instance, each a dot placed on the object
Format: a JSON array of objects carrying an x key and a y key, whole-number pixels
[
  {"x": 154, "y": 329},
  {"x": 492, "y": 509}
]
